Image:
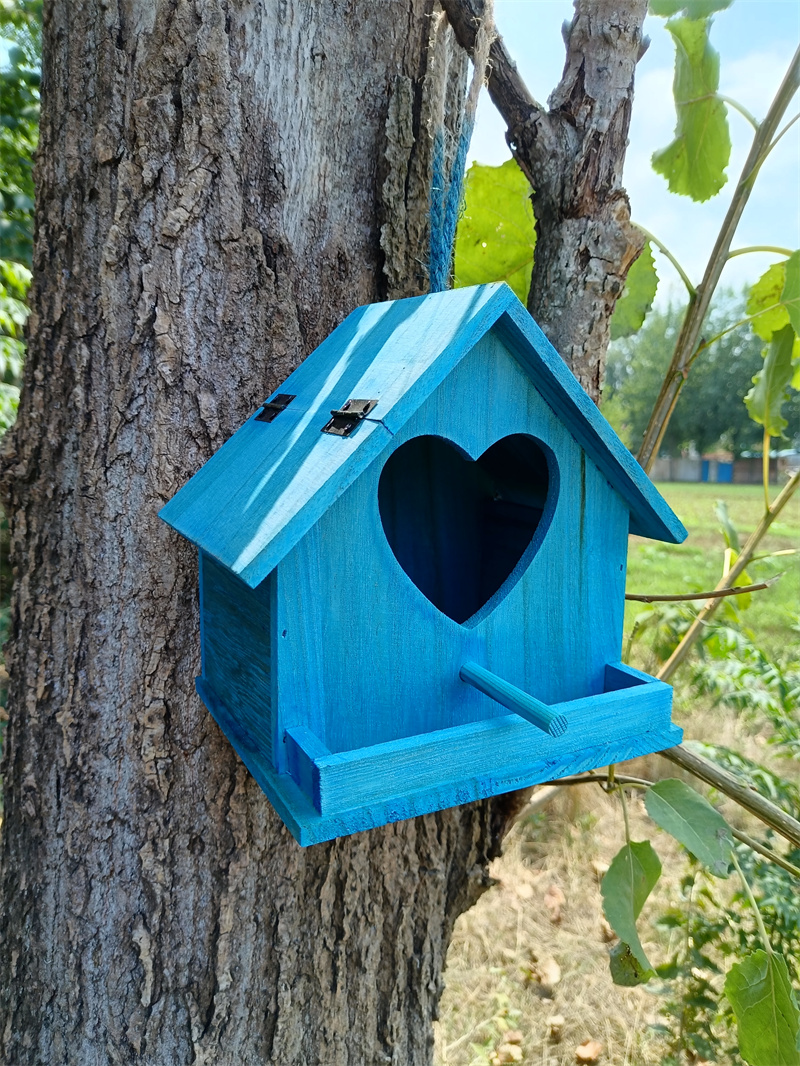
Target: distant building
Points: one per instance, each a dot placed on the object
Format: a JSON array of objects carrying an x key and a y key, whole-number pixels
[{"x": 721, "y": 468}]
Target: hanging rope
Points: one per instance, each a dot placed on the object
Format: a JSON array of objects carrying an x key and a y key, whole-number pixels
[{"x": 447, "y": 190}]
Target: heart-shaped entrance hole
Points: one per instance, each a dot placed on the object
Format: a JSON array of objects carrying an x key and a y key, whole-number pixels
[{"x": 458, "y": 527}]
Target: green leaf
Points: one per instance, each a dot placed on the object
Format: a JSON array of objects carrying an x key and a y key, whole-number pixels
[
  {"x": 637, "y": 296},
  {"x": 9, "y": 402},
  {"x": 790, "y": 297},
  {"x": 766, "y": 398},
  {"x": 729, "y": 530},
  {"x": 760, "y": 992},
  {"x": 694, "y": 164},
  {"x": 764, "y": 301},
  {"x": 775, "y": 298},
  {"x": 693, "y": 9},
  {"x": 627, "y": 883},
  {"x": 690, "y": 818},
  {"x": 496, "y": 236},
  {"x": 744, "y": 599},
  {"x": 625, "y": 968}
]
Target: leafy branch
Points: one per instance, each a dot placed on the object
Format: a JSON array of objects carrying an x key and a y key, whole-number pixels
[
  {"x": 627, "y": 781},
  {"x": 699, "y": 302},
  {"x": 758, "y": 986},
  {"x": 693, "y": 634}
]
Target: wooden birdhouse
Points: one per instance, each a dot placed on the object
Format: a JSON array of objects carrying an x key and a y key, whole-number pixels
[{"x": 412, "y": 571}]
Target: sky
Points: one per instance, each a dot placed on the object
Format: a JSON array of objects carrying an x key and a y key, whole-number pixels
[{"x": 756, "y": 40}]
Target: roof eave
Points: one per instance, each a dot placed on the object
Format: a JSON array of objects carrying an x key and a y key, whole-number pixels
[{"x": 651, "y": 515}]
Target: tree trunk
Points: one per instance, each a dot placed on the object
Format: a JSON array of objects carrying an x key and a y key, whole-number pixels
[
  {"x": 573, "y": 155},
  {"x": 586, "y": 242},
  {"x": 210, "y": 205},
  {"x": 219, "y": 183}
]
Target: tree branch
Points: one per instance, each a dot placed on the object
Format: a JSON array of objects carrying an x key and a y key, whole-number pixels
[
  {"x": 745, "y": 796},
  {"x": 509, "y": 93},
  {"x": 573, "y": 155},
  {"x": 717, "y": 594},
  {"x": 641, "y": 782},
  {"x": 692, "y": 634},
  {"x": 686, "y": 345}
]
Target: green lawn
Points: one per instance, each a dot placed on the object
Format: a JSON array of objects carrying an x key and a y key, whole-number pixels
[{"x": 696, "y": 565}]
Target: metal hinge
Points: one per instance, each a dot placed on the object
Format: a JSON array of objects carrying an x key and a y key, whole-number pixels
[
  {"x": 272, "y": 408},
  {"x": 344, "y": 421}
]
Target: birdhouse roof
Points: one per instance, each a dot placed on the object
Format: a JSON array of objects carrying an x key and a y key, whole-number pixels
[{"x": 251, "y": 503}]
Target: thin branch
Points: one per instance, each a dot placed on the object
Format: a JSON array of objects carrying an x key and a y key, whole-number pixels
[
  {"x": 619, "y": 789},
  {"x": 762, "y": 158},
  {"x": 643, "y": 783},
  {"x": 726, "y": 100},
  {"x": 740, "y": 108},
  {"x": 785, "y": 130},
  {"x": 692, "y": 634},
  {"x": 729, "y": 329},
  {"x": 508, "y": 92},
  {"x": 759, "y": 920},
  {"x": 768, "y": 853},
  {"x": 698, "y": 309},
  {"x": 666, "y": 252},
  {"x": 602, "y": 779},
  {"x": 775, "y": 554},
  {"x": 744, "y": 795},
  {"x": 717, "y": 594},
  {"x": 773, "y": 248}
]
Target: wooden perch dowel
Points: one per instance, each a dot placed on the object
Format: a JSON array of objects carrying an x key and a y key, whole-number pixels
[{"x": 508, "y": 695}]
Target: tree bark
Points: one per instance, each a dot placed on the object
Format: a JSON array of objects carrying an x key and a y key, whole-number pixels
[
  {"x": 573, "y": 155},
  {"x": 219, "y": 184}
]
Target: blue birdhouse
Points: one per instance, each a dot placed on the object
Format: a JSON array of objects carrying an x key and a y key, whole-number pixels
[{"x": 412, "y": 571}]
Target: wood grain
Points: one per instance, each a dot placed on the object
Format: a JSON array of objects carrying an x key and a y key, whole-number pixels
[
  {"x": 480, "y": 756},
  {"x": 532, "y": 710},
  {"x": 309, "y": 826},
  {"x": 374, "y": 660},
  {"x": 362, "y": 677},
  {"x": 250, "y": 504}
]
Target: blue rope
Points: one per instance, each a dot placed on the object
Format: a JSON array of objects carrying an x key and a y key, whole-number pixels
[
  {"x": 440, "y": 251},
  {"x": 446, "y": 197}
]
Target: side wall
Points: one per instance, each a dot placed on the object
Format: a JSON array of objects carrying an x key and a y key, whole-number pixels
[
  {"x": 235, "y": 627},
  {"x": 367, "y": 658}
]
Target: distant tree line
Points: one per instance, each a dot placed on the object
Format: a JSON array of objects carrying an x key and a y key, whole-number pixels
[{"x": 711, "y": 413}]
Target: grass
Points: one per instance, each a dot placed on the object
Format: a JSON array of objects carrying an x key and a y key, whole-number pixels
[
  {"x": 508, "y": 937},
  {"x": 696, "y": 565}
]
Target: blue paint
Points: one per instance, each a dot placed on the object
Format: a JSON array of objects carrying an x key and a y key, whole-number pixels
[
  {"x": 480, "y": 515},
  {"x": 548, "y": 719},
  {"x": 457, "y": 527},
  {"x": 257, "y": 496},
  {"x": 550, "y": 629}
]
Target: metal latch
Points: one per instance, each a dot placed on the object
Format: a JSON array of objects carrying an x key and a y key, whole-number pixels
[
  {"x": 344, "y": 421},
  {"x": 272, "y": 408}
]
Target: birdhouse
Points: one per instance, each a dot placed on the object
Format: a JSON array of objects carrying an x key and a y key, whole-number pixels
[{"x": 412, "y": 571}]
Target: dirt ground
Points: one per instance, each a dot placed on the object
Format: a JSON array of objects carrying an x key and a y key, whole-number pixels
[{"x": 536, "y": 945}]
